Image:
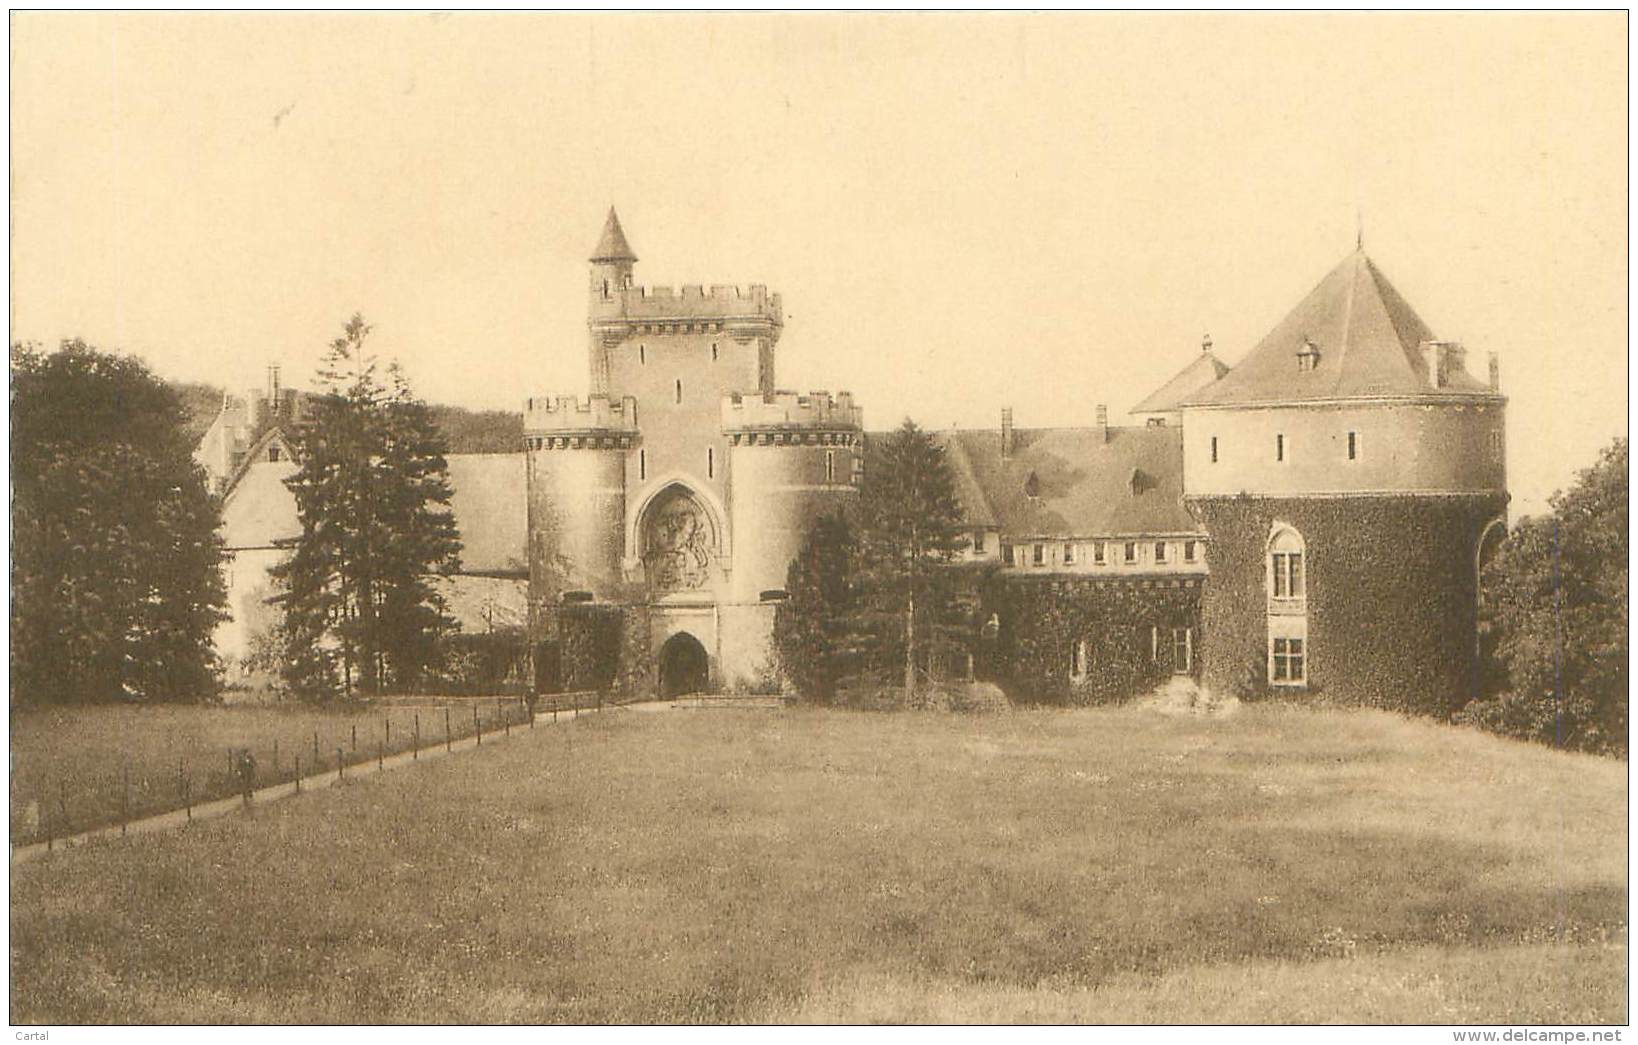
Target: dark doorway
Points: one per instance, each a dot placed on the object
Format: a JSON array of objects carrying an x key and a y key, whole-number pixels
[{"x": 684, "y": 667}]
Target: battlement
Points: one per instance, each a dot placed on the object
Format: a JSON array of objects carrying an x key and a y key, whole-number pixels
[
  {"x": 565, "y": 413},
  {"x": 783, "y": 410},
  {"x": 692, "y": 302}
]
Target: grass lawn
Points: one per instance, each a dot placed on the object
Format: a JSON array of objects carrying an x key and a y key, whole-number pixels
[
  {"x": 71, "y": 763},
  {"x": 717, "y": 865}
]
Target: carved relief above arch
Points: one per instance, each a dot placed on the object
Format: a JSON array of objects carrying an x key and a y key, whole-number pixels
[{"x": 678, "y": 540}]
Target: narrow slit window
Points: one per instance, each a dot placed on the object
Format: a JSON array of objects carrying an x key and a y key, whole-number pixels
[
  {"x": 1279, "y": 446},
  {"x": 710, "y": 462},
  {"x": 1353, "y": 446},
  {"x": 642, "y": 355},
  {"x": 830, "y": 466},
  {"x": 1214, "y": 449},
  {"x": 713, "y": 351},
  {"x": 642, "y": 464},
  {"x": 679, "y": 389}
]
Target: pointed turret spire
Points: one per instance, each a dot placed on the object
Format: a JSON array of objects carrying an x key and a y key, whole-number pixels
[{"x": 612, "y": 246}]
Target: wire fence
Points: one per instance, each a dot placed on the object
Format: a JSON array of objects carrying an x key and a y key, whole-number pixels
[{"x": 161, "y": 772}]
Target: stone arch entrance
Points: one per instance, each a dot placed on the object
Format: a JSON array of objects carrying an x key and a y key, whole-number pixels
[{"x": 684, "y": 666}]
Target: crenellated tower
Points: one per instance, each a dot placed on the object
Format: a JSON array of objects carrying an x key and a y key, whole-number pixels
[{"x": 680, "y": 492}]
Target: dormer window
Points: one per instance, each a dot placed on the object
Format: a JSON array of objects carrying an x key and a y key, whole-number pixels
[
  {"x": 1032, "y": 486},
  {"x": 1308, "y": 356}
]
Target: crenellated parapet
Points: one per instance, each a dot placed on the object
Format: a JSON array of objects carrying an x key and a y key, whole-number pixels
[
  {"x": 564, "y": 422},
  {"x": 792, "y": 417},
  {"x": 738, "y": 312}
]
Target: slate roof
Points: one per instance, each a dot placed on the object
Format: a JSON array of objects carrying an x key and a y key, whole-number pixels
[
  {"x": 1205, "y": 369},
  {"x": 1128, "y": 485},
  {"x": 1368, "y": 337},
  {"x": 612, "y": 246}
]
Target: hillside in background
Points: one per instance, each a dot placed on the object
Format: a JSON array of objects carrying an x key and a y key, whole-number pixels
[{"x": 468, "y": 431}]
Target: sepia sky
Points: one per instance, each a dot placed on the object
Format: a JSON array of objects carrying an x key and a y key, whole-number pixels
[{"x": 962, "y": 212}]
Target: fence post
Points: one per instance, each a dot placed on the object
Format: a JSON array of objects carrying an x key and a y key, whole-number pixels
[
  {"x": 477, "y": 725},
  {"x": 275, "y": 760},
  {"x": 298, "y": 774},
  {"x": 125, "y": 798},
  {"x": 386, "y": 721},
  {"x": 599, "y": 700},
  {"x": 529, "y": 709},
  {"x": 415, "y": 747},
  {"x": 506, "y": 720},
  {"x": 448, "y": 744},
  {"x": 355, "y": 738},
  {"x": 341, "y": 766},
  {"x": 182, "y": 789},
  {"x": 62, "y": 808},
  {"x": 381, "y": 756},
  {"x": 317, "y": 762}
]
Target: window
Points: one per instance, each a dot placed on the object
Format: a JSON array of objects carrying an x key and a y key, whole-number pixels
[
  {"x": 1098, "y": 557},
  {"x": 1182, "y": 650},
  {"x": 858, "y": 469},
  {"x": 1069, "y": 554},
  {"x": 1008, "y": 556},
  {"x": 1214, "y": 449},
  {"x": 1353, "y": 446},
  {"x": 273, "y": 453},
  {"x": 605, "y": 289},
  {"x": 1160, "y": 551},
  {"x": 1130, "y": 555},
  {"x": 1287, "y": 662},
  {"x": 1040, "y": 555},
  {"x": 830, "y": 466},
  {"x": 1077, "y": 662},
  {"x": 1154, "y": 643},
  {"x": 710, "y": 462},
  {"x": 642, "y": 464},
  {"x": 679, "y": 389},
  {"x": 1191, "y": 551},
  {"x": 1496, "y": 443},
  {"x": 978, "y": 541},
  {"x": 1287, "y": 574},
  {"x": 713, "y": 351},
  {"x": 1279, "y": 446}
]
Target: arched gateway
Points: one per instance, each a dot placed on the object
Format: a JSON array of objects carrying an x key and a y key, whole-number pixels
[{"x": 684, "y": 666}]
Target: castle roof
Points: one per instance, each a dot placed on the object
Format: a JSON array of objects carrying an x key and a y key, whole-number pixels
[
  {"x": 1368, "y": 340},
  {"x": 612, "y": 246},
  {"x": 1205, "y": 369},
  {"x": 1072, "y": 482}
]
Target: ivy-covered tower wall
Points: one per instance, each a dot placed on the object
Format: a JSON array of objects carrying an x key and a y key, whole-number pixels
[{"x": 1390, "y": 587}]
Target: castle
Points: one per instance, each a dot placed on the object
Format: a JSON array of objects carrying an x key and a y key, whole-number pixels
[{"x": 1312, "y": 519}]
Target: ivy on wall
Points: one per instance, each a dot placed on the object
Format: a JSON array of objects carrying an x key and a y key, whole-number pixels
[
  {"x": 1042, "y": 618},
  {"x": 605, "y": 647},
  {"x": 1391, "y": 596}
]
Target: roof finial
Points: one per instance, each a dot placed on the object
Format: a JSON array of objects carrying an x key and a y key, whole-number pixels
[{"x": 1359, "y": 229}]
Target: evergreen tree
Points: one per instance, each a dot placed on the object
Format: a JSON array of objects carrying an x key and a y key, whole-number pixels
[
  {"x": 116, "y": 578},
  {"x": 1556, "y": 596},
  {"x": 372, "y": 495},
  {"x": 909, "y": 534},
  {"x": 815, "y": 629}
]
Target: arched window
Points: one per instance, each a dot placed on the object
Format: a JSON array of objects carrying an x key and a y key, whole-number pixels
[
  {"x": 1286, "y": 573},
  {"x": 1288, "y": 652}
]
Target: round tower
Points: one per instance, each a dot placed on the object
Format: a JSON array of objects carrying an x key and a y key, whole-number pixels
[
  {"x": 576, "y": 475},
  {"x": 792, "y": 458},
  {"x": 1346, "y": 472}
]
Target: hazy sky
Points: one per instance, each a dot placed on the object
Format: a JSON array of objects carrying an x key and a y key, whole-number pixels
[{"x": 962, "y": 213}]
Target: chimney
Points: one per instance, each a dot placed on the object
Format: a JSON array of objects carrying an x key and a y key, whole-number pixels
[
  {"x": 1205, "y": 343},
  {"x": 273, "y": 386},
  {"x": 1495, "y": 372},
  {"x": 1103, "y": 421},
  {"x": 1432, "y": 364},
  {"x": 253, "y": 408},
  {"x": 1006, "y": 432}
]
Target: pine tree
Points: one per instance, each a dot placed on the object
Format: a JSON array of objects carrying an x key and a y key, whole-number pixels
[
  {"x": 815, "y": 630},
  {"x": 372, "y": 495},
  {"x": 116, "y": 563},
  {"x": 909, "y": 534}
]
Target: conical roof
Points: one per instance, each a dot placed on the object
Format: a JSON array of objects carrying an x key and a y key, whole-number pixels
[
  {"x": 1368, "y": 341},
  {"x": 612, "y": 245}
]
